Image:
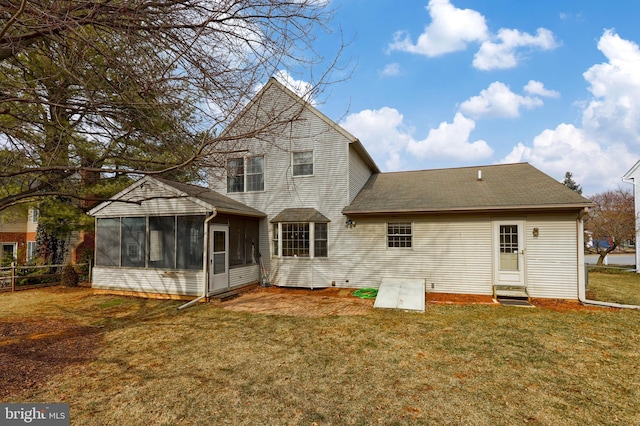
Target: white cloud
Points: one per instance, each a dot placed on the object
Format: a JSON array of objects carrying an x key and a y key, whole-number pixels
[
  {"x": 614, "y": 112},
  {"x": 451, "y": 140},
  {"x": 302, "y": 88},
  {"x": 390, "y": 70},
  {"x": 449, "y": 31},
  {"x": 383, "y": 133},
  {"x": 505, "y": 51},
  {"x": 453, "y": 29},
  {"x": 568, "y": 148},
  {"x": 606, "y": 145},
  {"x": 498, "y": 101},
  {"x": 388, "y": 139},
  {"x": 537, "y": 88}
]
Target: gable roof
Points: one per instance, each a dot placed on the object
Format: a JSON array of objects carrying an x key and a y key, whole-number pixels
[
  {"x": 501, "y": 187},
  {"x": 297, "y": 100},
  {"x": 198, "y": 194}
]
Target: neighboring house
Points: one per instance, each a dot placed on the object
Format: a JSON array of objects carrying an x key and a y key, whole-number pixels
[
  {"x": 18, "y": 235},
  {"x": 633, "y": 177},
  {"x": 326, "y": 216}
]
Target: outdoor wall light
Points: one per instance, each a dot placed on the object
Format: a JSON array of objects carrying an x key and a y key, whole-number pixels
[
  {"x": 350, "y": 223},
  {"x": 536, "y": 232}
]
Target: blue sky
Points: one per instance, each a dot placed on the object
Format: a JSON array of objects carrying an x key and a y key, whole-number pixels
[{"x": 449, "y": 83}]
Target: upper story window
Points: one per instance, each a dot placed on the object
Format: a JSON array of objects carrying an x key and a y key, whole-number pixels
[
  {"x": 399, "y": 235},
  {"x": 245, "y": 174},
  {"x": 34, "y": 214},
  {"x": 302, "y": 163}
]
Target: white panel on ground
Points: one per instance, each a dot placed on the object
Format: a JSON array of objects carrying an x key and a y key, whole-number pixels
[{"x": 401, "y": 293}]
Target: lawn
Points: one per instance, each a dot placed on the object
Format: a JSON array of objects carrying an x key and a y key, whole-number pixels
[
  {"x": 119, "y": 360},
  {"x": 614, "y": 286}
]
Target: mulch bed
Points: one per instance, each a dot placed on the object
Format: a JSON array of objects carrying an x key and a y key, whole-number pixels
[{"x": 34, "y": 350}]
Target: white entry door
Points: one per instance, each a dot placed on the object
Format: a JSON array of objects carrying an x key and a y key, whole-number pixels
[
  {"x": 509, "y": 252},
  {"x": 218, "y": 257}
]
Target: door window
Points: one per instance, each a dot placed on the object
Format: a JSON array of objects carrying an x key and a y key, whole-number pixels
[{"x": 509, "y": 248}]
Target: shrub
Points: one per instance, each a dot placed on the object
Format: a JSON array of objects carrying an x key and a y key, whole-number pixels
[{"x": 69, "y": 276}]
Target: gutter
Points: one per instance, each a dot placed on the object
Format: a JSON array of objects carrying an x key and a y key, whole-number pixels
[
  {"x": 582, "y": 291},
  {"x": 205, "y": 263}
]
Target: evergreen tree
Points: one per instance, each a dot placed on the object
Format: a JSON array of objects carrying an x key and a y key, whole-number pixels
[{"x": 571, "y": 184}]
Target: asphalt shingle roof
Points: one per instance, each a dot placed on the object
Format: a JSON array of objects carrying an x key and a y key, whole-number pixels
[
  {"x": 502, "y": 187},
  {"x": 222, "y": 203}
]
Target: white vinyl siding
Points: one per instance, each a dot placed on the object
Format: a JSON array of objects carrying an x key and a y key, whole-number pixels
[
  {"x": 359, "y": 173},
  {"x": 158, "y": 202},
  {"x": 186, "y": 283},
  {"x": 551, "y": 257}
]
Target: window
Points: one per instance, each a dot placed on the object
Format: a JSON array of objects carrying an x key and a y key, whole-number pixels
[
  {"x": 294, "y": 239},
  {"x": 108, "y": 242},
  {"x": 255, "y": 174},
  {"x": 399, "y": 234},
  {"x": 245, "y": 174},
  {"x": 190, "y": 242},
  {"x": 235, "y": 175},
  {"x": 133, "y": 243},
  {"x": 162, "y": 244},
  {"x": 302, "y": 163},
  {"x": 31, "y": 250},
  {"x": 243, "y": 241},
  {"x": 320, "y": 239},
  {"x": 35, "y": 213},
  {"x": 154, "y": 242}
]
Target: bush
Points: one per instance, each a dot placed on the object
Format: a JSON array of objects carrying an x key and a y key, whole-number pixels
[{"x": 69, "y": 276}]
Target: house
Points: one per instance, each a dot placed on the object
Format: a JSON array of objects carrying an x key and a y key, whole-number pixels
[
  {"x": 321, "y": 213},
  {"x": 18, "y": 235},
  {"x": 633, "y": 177}
]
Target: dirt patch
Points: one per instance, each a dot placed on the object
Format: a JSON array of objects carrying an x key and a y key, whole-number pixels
[
  {"x": 34, "y": 350},
  {"x": 300, "y": 302}
]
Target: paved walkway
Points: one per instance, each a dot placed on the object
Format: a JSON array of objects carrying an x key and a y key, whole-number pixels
[{"x": 300, "y": 302}]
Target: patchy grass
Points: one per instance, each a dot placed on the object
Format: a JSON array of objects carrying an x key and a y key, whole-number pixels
[
  {"x": 614, "y": 286},
  {"x": 472, "y": 364}
]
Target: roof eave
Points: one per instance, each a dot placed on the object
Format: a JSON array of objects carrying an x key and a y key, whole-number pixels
[{"x": 487, "y": 209}]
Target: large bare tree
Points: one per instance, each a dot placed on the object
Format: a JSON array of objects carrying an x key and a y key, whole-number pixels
[
  {"x": 611, "y": 221},
  {"x": 92, "y": 92}
]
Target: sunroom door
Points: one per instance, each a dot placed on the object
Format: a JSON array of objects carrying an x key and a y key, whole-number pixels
[
  {"x": 218, "y": 257},
  {"x": 509, "y": 253}
]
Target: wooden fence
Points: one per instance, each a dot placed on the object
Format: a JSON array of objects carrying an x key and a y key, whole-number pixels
[{"x": 14, "y": 277}]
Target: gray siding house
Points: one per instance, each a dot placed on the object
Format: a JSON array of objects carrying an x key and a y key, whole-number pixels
[{"x": 325, "y": 215}]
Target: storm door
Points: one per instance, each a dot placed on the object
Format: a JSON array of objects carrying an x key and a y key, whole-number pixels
[
  {"x": 509, "y": 253},
  {"x": 218, "y": 257}
]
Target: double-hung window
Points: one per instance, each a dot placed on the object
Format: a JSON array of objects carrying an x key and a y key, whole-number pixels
[
  {"x": 399, "y": 235},
  {"x": 302, "y": 163},
  {"x": 245, "y": 174}
]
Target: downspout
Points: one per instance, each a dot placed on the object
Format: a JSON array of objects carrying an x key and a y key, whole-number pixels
[
  {"x": 582, "y": 291},
  {"x": 205, "y": 263}
]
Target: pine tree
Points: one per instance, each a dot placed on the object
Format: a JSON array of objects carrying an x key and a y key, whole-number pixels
[{"x": 571, "y": 184}]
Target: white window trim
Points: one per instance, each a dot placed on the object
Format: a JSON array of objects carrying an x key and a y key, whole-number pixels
[
  {"x": 411, "y": 223},
  {"x": 313, "y": 163},
  {"x": 245, "y": 174},
  {"x": 312, "y": 240}
]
